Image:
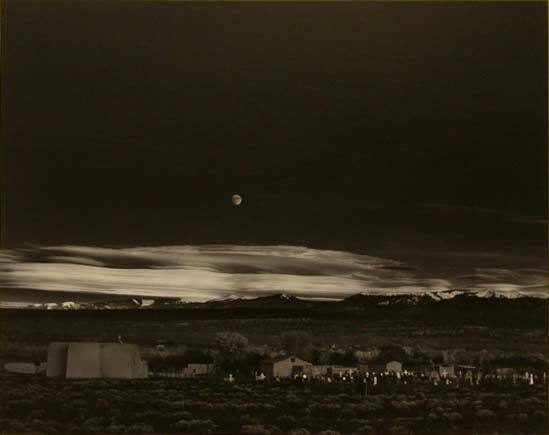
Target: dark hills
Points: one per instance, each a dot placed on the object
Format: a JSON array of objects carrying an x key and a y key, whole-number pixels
[{"x": 455, "y": 308}]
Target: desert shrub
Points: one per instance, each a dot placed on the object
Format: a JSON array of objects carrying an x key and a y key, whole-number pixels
[
  {"x": 19, "y": 408},
  {"x": 535, "y": 402},
  {"x": 294, "y": 401},
  {"x": 299, "y": 431},
  {"x": 432, "y": 417},
  {"x": 478, "y": 404},
  {"x": 92, "y": 425},
  {"x": 268, "y": 407},
  {"x": 330, "y": 409},
  {"x": 17, "y": 426},
  {"x": 51, "y": 427},
  {"x": 79, "y": 403},
  {"x": 237, "y": 407},
  {"x": 113, "y": 413},
  {"x": 358, "y": 422},
  {"x": 102, "y": 404},
  {"x": 286, "y": 421},
  {"x": 141, "y": 428},
  {"x": 247, "y": 420},
  {"x": 177, "y": 405},
  {"x": 36, "y": 413},
  {"x": 181, "y": 415},
  {"x": 489, "y": 397},
  {"x": 116, "y": 428},
  {"x": 217, "y": 407},
  {"x": 158, "y": 419},
  {"x": 181, "y": 425},
  {"x": 367, "y": 429},
  {"x": 522, "y": 403},
  {"x": 503, "y": 404},
  {"x": 485, "y": 414},
  {"x": 365, "y": 408},
  {"x": 254, "y": 429},
  {"x": 36, "y": 424},
  {"x": 304, "y": 412},
  {"x": 398, "y": 430},
  {"x": 329, "y": 432},
  {"x": 432, "y": 403},
  {"x": 205, "y": 392},
  {"x": 196, "y": 426},
  {"x": 539, "y": 414},
  {"x": 402, "y": 405},
  {"x": 453, "y": 416},
  {"x": 348, "y": 413},
  {"x": 464, "y": 402},
  {"x": 252, "y": 407},
  {"x": 453, "y": 404}
]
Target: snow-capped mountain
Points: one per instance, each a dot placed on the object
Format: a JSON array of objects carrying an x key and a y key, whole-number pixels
[
  {"x": 381, "y": 298},
  {"x": 499, "y": 294}
]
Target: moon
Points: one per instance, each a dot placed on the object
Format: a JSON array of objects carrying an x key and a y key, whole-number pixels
[{"x": 237, "y": 199}]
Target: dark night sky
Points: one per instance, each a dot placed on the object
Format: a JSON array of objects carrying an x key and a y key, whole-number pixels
[{"x": 410, "y": 130}]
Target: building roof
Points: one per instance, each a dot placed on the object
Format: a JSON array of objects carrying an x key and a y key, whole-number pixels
[{"x": 282, "y": 358}]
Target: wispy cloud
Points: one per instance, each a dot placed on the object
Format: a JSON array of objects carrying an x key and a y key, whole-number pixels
[
  {"x": 209, "y": 271},
  {"x": 198, "y": 273},
  {"x": 533, "y": 282}
]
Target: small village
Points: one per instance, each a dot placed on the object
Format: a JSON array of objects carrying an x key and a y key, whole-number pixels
[
  {"x": 276, "y": 377},
  {"x": 121, "y": 388},
  {"x": 89, "y": 360},
  {"x": 271, "y": 381}
]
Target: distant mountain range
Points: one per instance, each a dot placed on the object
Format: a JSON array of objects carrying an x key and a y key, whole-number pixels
[
  {"x": 452, "y": 308},
  {"x": 284, "y": 301}
]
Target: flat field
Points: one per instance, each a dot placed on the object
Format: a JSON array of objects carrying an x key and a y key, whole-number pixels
[
  {"x": 212, "y": 405},
  {"x": 169, "y": 405}
]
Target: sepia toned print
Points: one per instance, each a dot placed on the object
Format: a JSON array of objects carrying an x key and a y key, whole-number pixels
[{"x": 274, "y": 217}]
